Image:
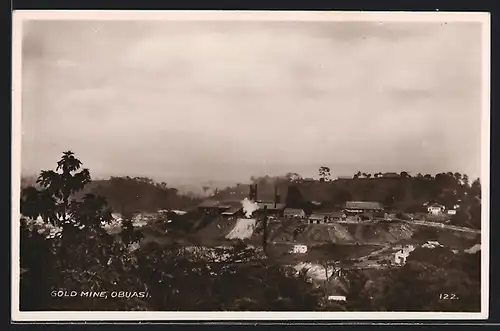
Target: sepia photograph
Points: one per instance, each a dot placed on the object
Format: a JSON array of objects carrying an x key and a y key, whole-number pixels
[{"x": 241, "y": 165}]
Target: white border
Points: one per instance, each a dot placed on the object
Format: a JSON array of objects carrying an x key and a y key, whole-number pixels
[{"x": 20, "y": 16}]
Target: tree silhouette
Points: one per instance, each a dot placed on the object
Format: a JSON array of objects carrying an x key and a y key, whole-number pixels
[
  {"x": 62, "y": 183},
  {"x": 404, "y": 174},
  {"x": 465, "y": 179},
  {"x": 324, "y": 174}
]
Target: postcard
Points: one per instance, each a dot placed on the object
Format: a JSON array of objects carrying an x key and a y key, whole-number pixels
[{"x": 250, "y": 165}]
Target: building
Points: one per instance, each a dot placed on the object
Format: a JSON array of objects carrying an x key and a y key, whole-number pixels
[
  {"x": 336, "y": 216},
  {"x": 317, "y": 218},
  {"x": 235, "y": 211},
  {"x": 216, "y": 207},
  {"x": 294, "y": 213},
  {"x": 362, "y": 207},
  {"x": 435, "y": 209},
  {"x": 270, "y": 208},
  {"x": 337, "y": 298},
  {"x": 328, "y": 216},
  {"x": 401, "y": 255},
  {"x": 299, "y": 249}
]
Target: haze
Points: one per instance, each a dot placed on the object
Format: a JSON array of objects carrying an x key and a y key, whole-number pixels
[{"x": 188, "y": 102}]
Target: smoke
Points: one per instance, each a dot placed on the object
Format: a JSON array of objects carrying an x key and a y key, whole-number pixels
[{"x": 249, "y": 207}]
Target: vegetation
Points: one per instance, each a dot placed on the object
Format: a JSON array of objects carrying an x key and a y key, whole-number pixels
[
  {"x": 87, "y": 258},
  {"x": 69, "y": 250},
  {"x": 400, "y": 192}
]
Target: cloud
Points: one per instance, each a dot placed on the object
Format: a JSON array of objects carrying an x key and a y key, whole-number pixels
[{"x": 228, "y": 99}]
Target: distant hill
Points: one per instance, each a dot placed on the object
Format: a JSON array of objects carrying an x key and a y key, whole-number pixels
[
  {"x": 130, "y": 195},
  {"x": 405, "y": 194}
]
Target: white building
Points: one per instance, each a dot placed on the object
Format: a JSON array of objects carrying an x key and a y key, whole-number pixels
[
  {"x": 401, "y": 255},
  {"x": 435, "y": 209},
  {"x": 336, "y": 298},
  {"x": 299, "y": 249}
]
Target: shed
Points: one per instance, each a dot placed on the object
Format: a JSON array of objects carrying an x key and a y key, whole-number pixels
[
  {"x": 359, "y": 207},
  {"x": 317, "y": 218},
  {"x": 233, "y": 211},
  {"x": 294, "y": 213},
  {"x": 270, "y": 208}
]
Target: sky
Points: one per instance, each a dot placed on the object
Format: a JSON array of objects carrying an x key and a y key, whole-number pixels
[{"x": 191, "y": 101}]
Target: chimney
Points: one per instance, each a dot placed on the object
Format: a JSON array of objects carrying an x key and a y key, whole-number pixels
[
  {"x": 253, "y": 192},
  {"x": 276, "y": 198}
]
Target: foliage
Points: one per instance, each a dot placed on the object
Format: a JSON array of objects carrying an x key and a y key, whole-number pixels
[
  {"x": 88, "y": 258},
  {"x": 61, "y": 184},
  {"x": 128, "y": 195},
  {"x": 420, "y": 285},
  {"x": 241, "y": 281},
  {"x": 324, "y": 174}
]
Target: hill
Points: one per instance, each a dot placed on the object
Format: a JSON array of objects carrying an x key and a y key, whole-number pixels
[
  {"x": 398, "y": 193},
  {"x": 130, "y": 195}
]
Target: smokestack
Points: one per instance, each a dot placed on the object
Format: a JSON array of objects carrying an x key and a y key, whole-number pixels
[
  {"x": 275, "y": 195},
  {"x": 253, "y": 192}
]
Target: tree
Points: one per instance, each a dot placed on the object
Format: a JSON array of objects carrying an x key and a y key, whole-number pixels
[
  {"x": 475, "y": 188},
  {"x": 85, "y": 256},
  {"x": 91, "y": 211},
  {"x": 35, "y": 203},
  {"x": 404, "y": 174},
  {"x": 324, "y": 174},
  {"x": 293, "y": 177},
  {"x": 61, "y": 185},
  {"x": 465, "y": 180},
  {"x": 417, "y": 285}
]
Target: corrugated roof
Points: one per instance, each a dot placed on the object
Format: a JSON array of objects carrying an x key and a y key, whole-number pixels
[
  {"x": 293, "y": 212},
  {"x": 270, "y": 205},
  {"x": 315, "y": 216},
  {"x": 370, "y": 205},
  {"x": 232, "y": 210},
  {"x": 329, "y": 213},
  {"x": 211, "y": 203}
]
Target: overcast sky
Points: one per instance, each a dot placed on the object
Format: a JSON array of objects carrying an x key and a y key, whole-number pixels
[{"x": 187, "y": 102}]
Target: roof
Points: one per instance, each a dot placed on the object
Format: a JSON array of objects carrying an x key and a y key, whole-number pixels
[
  {"x": 226, "y": 204},
  {"x": 329, "y": 213},
  {"x": 316, "y": 216},
  {"x": 435, "y": 204},
  {"x": 370, "y": 205},
  {"x": 209, "y": 203},
  {"x": 293, "y": 211},
  {"x": 232, "y": 210},
  {"x": 270, "y": 205}
]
